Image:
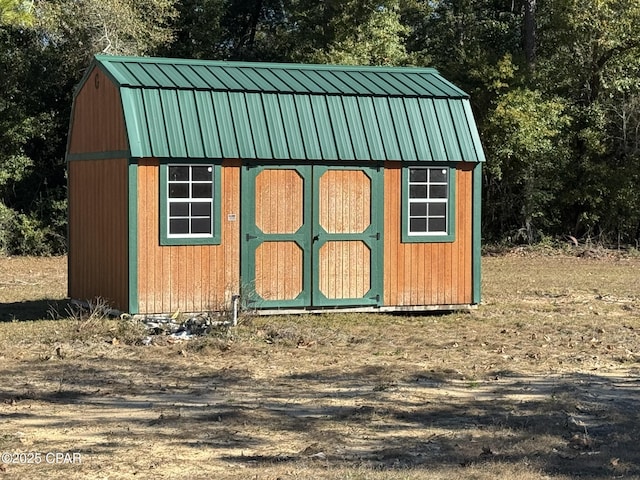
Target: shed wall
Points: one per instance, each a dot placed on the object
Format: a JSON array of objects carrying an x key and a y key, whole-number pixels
[
  {"x": 190, "y": 278},
  {"x": 427, "y": 273},
  {"x": 98, "y": 120},
  {"x": 98, "y": 252}
]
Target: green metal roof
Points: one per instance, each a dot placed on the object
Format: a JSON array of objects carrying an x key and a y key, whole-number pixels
[{"x": 195, "y": 109}]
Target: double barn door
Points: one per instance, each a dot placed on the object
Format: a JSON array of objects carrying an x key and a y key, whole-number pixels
[{"x": 311, "y": 236}]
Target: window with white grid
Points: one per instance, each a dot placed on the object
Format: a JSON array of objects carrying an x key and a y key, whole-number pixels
[
  {"x": 190, "y": 201},
  {"x": 428, "y": 201}
]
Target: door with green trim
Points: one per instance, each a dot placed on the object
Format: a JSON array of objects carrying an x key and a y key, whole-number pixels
[
  {"x": 311, "y": 236},
  {"x": 347, "y": 236}
]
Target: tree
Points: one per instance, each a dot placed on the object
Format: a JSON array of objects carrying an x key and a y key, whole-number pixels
[
  {"x": 198, "y": 30},
  {"x": 31, "y": 180},
  {"x": 40, "y": 64},
  {"x": 361, "y": 32},
  {"x": 589, "y": 44},
  {"x": 116, "y": 27},
  {"x": 523, "y": 135},
  {"x": 364, "y": 33},
  {"x": 590, "y": 55},
  {"x": 16, "y": 12},
  {"x": 529, "y": 32}
]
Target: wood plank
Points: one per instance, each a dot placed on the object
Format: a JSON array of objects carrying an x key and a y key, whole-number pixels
[
  {"x": 278, "y": 209},
  {"x": 391, "y": 219},
  {"x": 169, "y": 276},
  {"x": 188, "y": 278},
  {"x": 199, "y": 294},
  {"x": 230, "y": 255},
  {"x": 229, "y": 258},
  {"x": 279, "y": 270},
  {"x": 142, "y": 255},
  {"x": 344, "y": 201},
  {"x": 467, "y": 248},
  {"x": 184, "y": 251},
  {"x": 423, "y": 264},
  {"x": 462, "y": 227},
  {"x": 427, "y": 273},
  {"x": 98, "y": 231},
  {"x": 345, "y": 269},
  {"x": 151, "y": 232},
  {"x": 144, "y": 264},
  {"x": 444, "y": 261},
  {"x": 97, "y": 107},
  {"x": 208, "y": 301}
]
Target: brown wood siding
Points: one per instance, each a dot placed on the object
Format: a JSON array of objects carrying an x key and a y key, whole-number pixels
[
  {"x": 427, "y": 273},
  {"x": 279, "y": 201},
  {"x": 279, "y": 270},
  {"x": 98, "y": 120},
  {"x": 344, "y": 266},
  {"x": 190, "y": 278},
  {"x": 345, "y": 201},
  {"x": 98, "y": 255},
  {"x": 345, "y": 269}
]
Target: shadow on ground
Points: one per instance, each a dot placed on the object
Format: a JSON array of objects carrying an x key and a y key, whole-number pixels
[
  {"x": 32, "y": 310},
  {"x": 574, "y": 424}
]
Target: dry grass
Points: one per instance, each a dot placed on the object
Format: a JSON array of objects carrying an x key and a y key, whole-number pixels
[{"x": 540, "y": 382}]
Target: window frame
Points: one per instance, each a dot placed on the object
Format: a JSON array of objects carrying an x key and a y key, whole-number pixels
[
  {"x": 189, "y": 239},
  {"x": 437, "y": 237}
]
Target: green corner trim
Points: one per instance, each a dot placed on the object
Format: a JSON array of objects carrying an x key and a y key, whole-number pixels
[
  {"x": 215, "y": 239},
  {"x": 451, "y": 207},
  {"x": 477, "y": 233},
  {"x": 133, "y": 237}
]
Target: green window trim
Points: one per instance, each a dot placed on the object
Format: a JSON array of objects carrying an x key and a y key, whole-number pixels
[
  {"x": 190, "y": 239},
  {"x": 449, "y": 235}
]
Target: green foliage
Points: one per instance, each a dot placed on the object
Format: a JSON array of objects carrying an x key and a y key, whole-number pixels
[
  {"x": 523, "y": 137},
  {"x": 116, "y": 27},
  {"x": 26, "y": 234},
  {"x": 33, "y": 125},
  {"x": 197, "y": 26},
  {"x": 16, "y": 12},
  {"x": 359, "y": 32},
  {"x": 6, "y": 228},
  {"x": 40, "y": 65},
  {"x": 524, "y": 128},
  {"x": 29, "y": 236},
  {"x": 365, "y": 33},
  {"x": 590, "y": 56},
  {"x": 590, "y": 46}
]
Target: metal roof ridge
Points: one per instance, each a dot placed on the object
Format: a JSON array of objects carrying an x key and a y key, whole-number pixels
[{"x": 102, "y": 58}]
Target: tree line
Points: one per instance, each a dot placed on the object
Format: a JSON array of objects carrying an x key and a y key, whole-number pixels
[{"x": 554, "y": 84}]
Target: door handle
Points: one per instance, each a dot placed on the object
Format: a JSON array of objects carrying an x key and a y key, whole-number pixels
[{"x": 315, "y": 238}]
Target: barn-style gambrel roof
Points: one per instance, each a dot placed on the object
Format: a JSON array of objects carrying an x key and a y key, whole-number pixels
[{"x": 210, "y": 109}]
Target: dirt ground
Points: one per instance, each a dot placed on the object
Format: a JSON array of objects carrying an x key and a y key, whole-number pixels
[{"x": 542, "y": 381}]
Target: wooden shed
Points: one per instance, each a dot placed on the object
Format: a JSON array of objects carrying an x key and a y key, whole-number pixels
[{"x": 297, "y": 187}]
